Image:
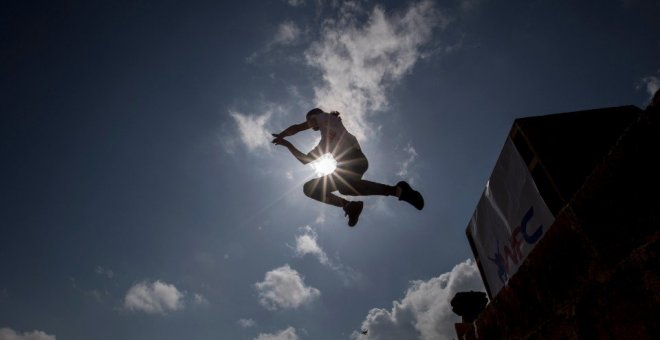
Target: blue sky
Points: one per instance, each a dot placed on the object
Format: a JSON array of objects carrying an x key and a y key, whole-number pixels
[{"x": 140, "y": 197}]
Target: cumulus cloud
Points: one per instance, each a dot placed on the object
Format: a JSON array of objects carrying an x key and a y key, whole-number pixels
[
  {"x": 296, "y": 3},
  {"x": 286, "y": 334},
  {"x": 651, "y": 84},
  {"x": 98, "y": 295},
  {"x": 246, "y": 323},
  {"x": 284, "y": 287},
  {"x": 467, "y": 5},
  {"x": 360, "y": 59},
  {"x": 252, "y": 129},
  {"x": 10, "y": 334},
  {"x": 104, "y": 272},
  {"x": 307, "y": 244},
  {"x": 425, "y": 311},
  {"x": 405, "y": 165},
  {"x": 320, "y": 219},
  {"x": 154, "y": 298},
  {"x": 199, "y": 299},
  {"x": 287, "y": 33}
]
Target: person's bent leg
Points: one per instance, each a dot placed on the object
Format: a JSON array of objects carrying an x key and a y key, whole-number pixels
[{"x": 321, "y": 190}]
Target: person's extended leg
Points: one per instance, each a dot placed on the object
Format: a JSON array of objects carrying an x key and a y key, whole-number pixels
[
  {"x": 407, "y": 194},
  {"x": 363, "y": 187},
  {"x": 348, "y": 178},
  {"x": 359, "y": 187}
]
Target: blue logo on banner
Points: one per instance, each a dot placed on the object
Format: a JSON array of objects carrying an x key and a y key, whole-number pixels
[{"x": 512, "y": 252}]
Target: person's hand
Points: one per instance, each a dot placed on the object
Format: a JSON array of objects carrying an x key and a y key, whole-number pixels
[{"x": 281, "y": 141}]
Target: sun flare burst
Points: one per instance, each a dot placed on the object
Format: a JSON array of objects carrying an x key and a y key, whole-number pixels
[{"x": 324, "y": 165}]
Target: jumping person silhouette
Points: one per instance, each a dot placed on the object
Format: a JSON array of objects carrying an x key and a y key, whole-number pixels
[{"x": 351, "y": 165}]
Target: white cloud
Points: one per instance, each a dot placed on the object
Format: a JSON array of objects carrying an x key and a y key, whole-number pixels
[
  {"x": 320, "y": 219},
  {"x": 252, "y": 129},
  {"x": 425, "y": 311},
  {"x": 294, "y": 92},
  {"x": 405, "y": 165},
  {"x": 10, "y": 334},
  {"x": 467, "y": 5},
  {"x": 154, "y": 298},
  {"x": 104, "y": 272},
  {"x": 359, "y": 60},
  {"x": 98, "y": 295},
  {"x": 307, "y": 244},
  {"x": 199, "y": 299},
  {"x": 287, "y": 33},
  {"x": 246, "y": 323},
  {"x": 286, "y": 334},
  {"x": 651, "y": 84},
  {"x": 296, "y": 3},
  {"x": 284, "y": 287}
]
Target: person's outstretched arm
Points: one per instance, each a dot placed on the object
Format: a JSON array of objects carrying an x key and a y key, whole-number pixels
[
  {"x": 292, "y": 130},
  {"x": 304, "y": 159}
]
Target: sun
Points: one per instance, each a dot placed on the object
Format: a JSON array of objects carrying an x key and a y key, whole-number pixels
[{"x": 324, "y": 165}]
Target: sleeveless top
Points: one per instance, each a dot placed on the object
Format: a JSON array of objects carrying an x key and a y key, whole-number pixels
[{"x": 335, "y": 139}]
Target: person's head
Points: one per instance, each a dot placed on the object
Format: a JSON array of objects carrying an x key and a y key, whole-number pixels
[{"x": 310, "y": 118}]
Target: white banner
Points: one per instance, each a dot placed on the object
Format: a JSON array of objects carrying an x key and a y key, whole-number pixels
[{"x": 510, "y": 219}]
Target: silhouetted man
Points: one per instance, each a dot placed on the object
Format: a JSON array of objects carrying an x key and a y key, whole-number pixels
[{"x": 351, "y": 166}]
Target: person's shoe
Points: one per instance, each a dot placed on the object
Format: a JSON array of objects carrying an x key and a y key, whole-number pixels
[
  {"x": 353, "y": 210},
  {"x": 411, "y": 196}
]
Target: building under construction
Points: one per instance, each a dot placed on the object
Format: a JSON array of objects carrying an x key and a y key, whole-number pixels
[{"x": 566, "y": 234}]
